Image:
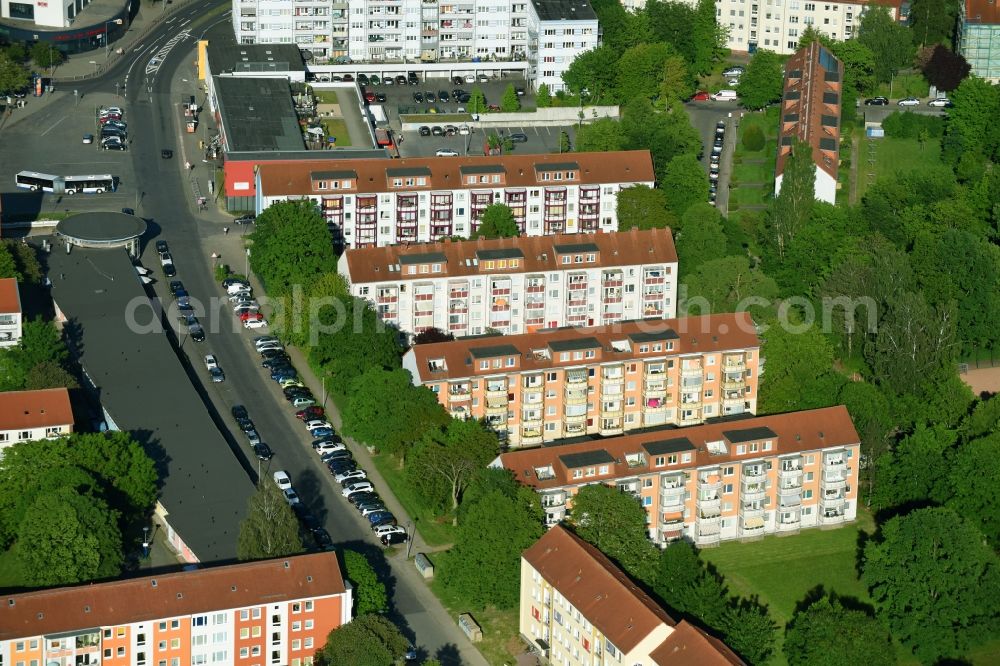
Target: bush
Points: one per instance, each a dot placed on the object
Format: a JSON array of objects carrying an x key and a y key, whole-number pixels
[
  {"x": 909, "y": 125},
  {"x": 221, "y": 272},
  {"x": 753, "y": 138}
]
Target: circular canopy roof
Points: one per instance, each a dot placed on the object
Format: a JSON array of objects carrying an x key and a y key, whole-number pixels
[{"x": 102, "y": 227}]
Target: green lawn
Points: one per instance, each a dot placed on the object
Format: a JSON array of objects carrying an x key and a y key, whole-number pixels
[
  {"x": 436, "y": 530},
  {"x": 500, "y": 642},
  {"x": 338, "y": 128},
  {"x": 892, "y": 155},
  {"x": 905, "y": 85},
  {"x": 756, "y": 195},
  {"x": 326, "y": 97},
  {"x": 754, "y": 172}
]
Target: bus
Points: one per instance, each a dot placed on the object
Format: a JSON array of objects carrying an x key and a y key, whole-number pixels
[
  {"x": 34, "y": 181},
  {"x": 91, "y": 184}
]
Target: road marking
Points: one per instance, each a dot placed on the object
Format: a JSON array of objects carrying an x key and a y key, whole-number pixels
[
  {"x": 53, "y": 126},
  {"x": 184, "y": 24},
  {"x": 157, "y": 61}
]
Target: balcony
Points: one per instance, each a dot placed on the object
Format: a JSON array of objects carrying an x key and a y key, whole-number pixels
[
  {"x": 496, "y": 390},
  {"x": 458, "y": 395},
  {"x": 731, "y": 385},
  {"x": 753, "y": 491},
  {"x": 576, "y": 396},
  {"x": 754, "y": 471},
  {"x": 576, "y": 377},
  {"x": 790, "y": 499},
  {"x": 612, "y": 428},
  {"x": 574, "y": 426},
  {"x": 672, "y": 529},
  {"x": 790, "y": 470},
  {"x": 553, "y": 500},
  {"x": 733, "y": 365},
  {"x": 709, "y": 481},
  {"x": 752, "y": 511},
  {"x": 834, "y": 481},
  {"x": 691, "y": 370},
  {"x": 612, "y": 408},
  {"x": 708, "y": 533},
  {"x": 832, "y": 517},
  {"x": 532, "y": 381}
]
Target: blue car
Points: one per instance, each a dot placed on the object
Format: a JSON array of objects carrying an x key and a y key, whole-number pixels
[
  {"x": 381, "y": 518},
  {"x": 323, "y": 432},
  {"x": 282, "y": 374}
]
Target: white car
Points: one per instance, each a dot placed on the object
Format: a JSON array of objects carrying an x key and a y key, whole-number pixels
[
  {"x": 446, "y": 152},
  {"x": 359, "y": 487},
  {"x": 283, "y": 480},
  {"x": 255, "y": 323},
  {"x": 464, "y": 129},
  {"x": 240, "y": 296},
  {"x": 316, "y": 424},
  {"x": 237, "y": 287},
  {"x": 357, "y": 475},
  {"x": 259, "y": 341},
  {"x": 733, "y": 71},
  {"x": 112, "y": 109},
  {"x": 388, "y": 529},
  {"x": 942, "y": 102},
  {"x": 909, "y": 101},
  {"x": 246, "y": 306},
  {"x": 211, "y": 362},
  {"x": 330, "y": 447},
  {"x": 725, "y": 96},
  {"x": 470, "y": 78},
  {"x": 291, "y": 497}
]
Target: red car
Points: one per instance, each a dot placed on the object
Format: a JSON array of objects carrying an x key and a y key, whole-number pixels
[
  {"x": 251, "y": 316},
  {"x": 701, "y": 96},
  {"x": 310, "y": 413},
  {"x": 369, "y": 96}
]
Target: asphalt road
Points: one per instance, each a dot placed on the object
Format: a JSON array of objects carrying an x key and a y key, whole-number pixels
[{"x": 704, "y": 116}]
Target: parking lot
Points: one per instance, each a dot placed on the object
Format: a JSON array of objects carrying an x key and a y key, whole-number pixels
[
  {"x": 400, "y": 100},
  {"x": 539, "y": 140}
]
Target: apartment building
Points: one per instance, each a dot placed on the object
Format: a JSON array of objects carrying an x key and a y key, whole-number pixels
[
  {"x": 317, "y": 27},
  {"x": 567, "y": 382},
  {"x": 10, "y": 313},
  {"x": 559, "y": 31},
  {"x": 979, "y": 37},
  {"x": 518, "y": 285},
  {"x": 378, "y": 202},
  {"x": 578, "y": 608},
  {"x": 735, "y": 479},
  {"x": 253, "y": 613},
  {"x": 26, "y": 416},
  {"x": 810, "y": 114}
]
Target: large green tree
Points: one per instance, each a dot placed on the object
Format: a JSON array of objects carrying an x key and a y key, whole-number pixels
[
  {"x": 367, "y": 640},
  {"x": 291, "y": 245},
  {"x": 8, "y": 267},
  {"x": 615, "y": 522},
  {"x": 676, "y": 82},
  {"x": 751, "y": 631},
  {"x": 728, "y": 284},
  {"x": 685, "y": 183},
  {"x": 702, "y": 240},
  {"x": 664, "y": 133},
  {"x": 493, "y": 531},
  {"x": 973, "y": 475},
  {"x": 890, "y": 42},
  {"x": 640, "y": 70},
  {"x": 13, "y": 75},
  {"x": 934, "y": 21},
  {"x": 604, "y": 135},
  {"x": 915, "y": 341},
  {"x": 444, "y": 463},
  {"x": 369, "y": 592},
  {"x": 595, "y": 70},
  {"x": 827, "y": 634},
  {"x": 66, "y": 537},
  {"x": 270, "y": 528},
  {"x": 793, "y": 205},
  {"x": 799, "y": 372},
  {"x": 934, "y": 583},
  {"x": 386, "y": 410},
  {"x": 763, "y": 81},
  {"x": 971, "y": 134},
  {"x": 45, "y": 55},
  {"x": 360, "y": 343},
  {"x": 497, "y": 221},
  {"x": 510, "y": 102},
  {"x": 686, "y": 585},
  {"x": 643, "y": 207}
]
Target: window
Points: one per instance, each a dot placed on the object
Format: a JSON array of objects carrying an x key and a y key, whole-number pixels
[
  {"x": 244, "y": 632},
  {"x": 727, "y": 489},
  {"x": 244, "y": 614},
  {"x": 309, "y": 623},
  {"x": 175, "y": 624},
  {"x": 163, "y": 626},
  {"x": 728, "y": 471}
]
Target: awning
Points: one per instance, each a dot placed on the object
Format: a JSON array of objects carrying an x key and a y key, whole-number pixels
[
  {"x": 790, "y": 500},
  {"x": 753, "y": 523}
]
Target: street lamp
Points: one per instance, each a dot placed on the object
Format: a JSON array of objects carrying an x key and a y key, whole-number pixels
[
  {"x": 246, "y": 265},
  {"x": 409, "y": 538},
  {"x": 107, "y": 39},
  {"x": 145, "y": 541}
]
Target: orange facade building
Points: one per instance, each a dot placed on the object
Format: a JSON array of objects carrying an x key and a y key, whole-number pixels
[
  {"x": 250, "y": 614},
  {"x": 567, "y": 382}
]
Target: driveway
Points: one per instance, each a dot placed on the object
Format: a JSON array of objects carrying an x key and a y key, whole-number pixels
[
  {"x": 704, "y": 117},
  {"x": 540, "y": 140}
]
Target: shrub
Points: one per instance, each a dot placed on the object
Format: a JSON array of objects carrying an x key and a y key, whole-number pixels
[
  {"x": 221, "y": 272},
  {"x": 753, "y": 138},
  {"x": 908, "y": 125}
]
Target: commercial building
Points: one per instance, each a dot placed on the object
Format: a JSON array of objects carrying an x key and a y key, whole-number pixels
[
  {"x": 979, "y": 37},
  {"x": 372, "y": 203},
  {"x": 518, "y": 285},
  {"x": 567, "y": 382},
  {"x": 578, "y": 608},
  {"x": 10, "y": 313},
  {"x": 559, "y": 31},
  {"x": 265, "y": 612},
  {"x": 72, "y": 26},
  {"x": 810, "y": 115},
  {"x": 27, "y": 416},
  {"x": 734, "y": 479}
]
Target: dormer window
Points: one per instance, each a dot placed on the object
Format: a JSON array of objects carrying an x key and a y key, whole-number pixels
[
  {"x": 321, "y": 185},
  {"x": 437, "y": 365}
]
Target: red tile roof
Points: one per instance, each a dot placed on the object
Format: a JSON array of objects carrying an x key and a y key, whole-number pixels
[
  {"x": 982, "y": 11},
  {"x": 792, "y": 433},
  {"x": 694, "y": 335},
  {"x": 372, "y": 176},
  {"x": 538, "y": 254},
  {"x": 24, "y": 410},
  {"x": 10, "y": 298},
  {"x": 596, "y": 587},
  {"x": 170, "y": 595},
  {"x": 688, "y": 645}
]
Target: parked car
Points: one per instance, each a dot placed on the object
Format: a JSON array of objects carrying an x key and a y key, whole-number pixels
[
  {"x": 322, "y": 538},
  {"x": 380, "y": 97},
  {"x": 262, "y": 451},
  {"x": 355, "y": 475},
  {"x": 725, "y": 96},
  {"x": 275, "y": 362},
  {"x": 359, "y": 487},
  {"x": 424, "y": 130},
  {"x": 356, "y": 498},
  {"x": 369, "y": 510},
  {"x": 736, "y": 70},
  {"x": 166, "y": 154},
  {"x": 341, "y": 466},
  {"x": 385, "y": 529},
  {"x": 317, "y": 423},
  {"x": 255, "y": 323},
  {"x": 291, "y": 497},
  {"x": 519, "y": 137},
  {"x": 877, "y": 101},
  {"x": 392, "y": 539},
  {"x": 249, "y": 218},
  {"x": 88, "y": 138},
  {"x": 282, "y": 479},
  {"x": 444, "y": 96},
  {"x": 328, "y": 447},
  {"x": 941, "y": 102},
  {"x": 302, "y": 401},
  {"x": 322, "y": 432},
  {"x": 446, "y": 152},
  {"x": 380, "y": 518},
  {"x": 369, "y": 505},
  {"x": 908, "y": 101},
  {"x": 310, "y": 413},
  {"x": 437, "y": 130},
  {"x": 231, "y": 281},
  {"x": 253, "y": 437}
]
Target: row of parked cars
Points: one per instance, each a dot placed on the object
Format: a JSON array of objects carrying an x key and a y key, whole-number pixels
[
  {"x": 245, "y": 307},
  {"x": 715, "y": 159},
  {"x": 938, "y": 102},
  {"x": 113, "y": 130}
]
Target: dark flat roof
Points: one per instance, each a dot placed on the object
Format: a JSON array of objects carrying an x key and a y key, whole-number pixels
[
  {"x": 145, "y": 391},
  {"x": 570, "y": 248},
  {"x": 749, "y": 434},
  {"x": 586, "y": 458},
  {"x": 557, "y": 166},
  {"x": 501, "y": 253},
  {"x": 655, "y": 336},
  {"x": 664, "y": 446},
  {"x": 303, "y": 154},
  {"x": 102, "y": 227},
  {"x": 257, "y": 113},
  {"x": 407, "y": 171},
  {"x": 333, "y": 175},
  {"x": 493, "y": 351},
  {"x": 226, "y": 56},
  {"x": 422, "y": 258},
  {"x": 482, "y": 168},
  {"x": 574, "y": 344}
]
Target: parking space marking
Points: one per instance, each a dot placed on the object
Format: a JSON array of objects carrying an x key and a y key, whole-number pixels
[
  {"x": 53, "y": 126},
  {"x": 154, "y": 64}
]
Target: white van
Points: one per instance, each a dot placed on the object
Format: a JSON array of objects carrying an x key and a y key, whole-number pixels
[{"x": 725, "y": 96}]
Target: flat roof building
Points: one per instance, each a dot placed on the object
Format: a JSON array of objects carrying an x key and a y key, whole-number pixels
[
  {"x": 32, "y": 415},
  {"x": 559, "y": 31},
  {"x": 270, "y": 611},
  {"x": 731, "y": 479},
  {"x": 810, "y": 115},
  {"x": 518, "y": 285},
  {"x": 568, "y": 382},
  {"x": 255, "y": 113}
]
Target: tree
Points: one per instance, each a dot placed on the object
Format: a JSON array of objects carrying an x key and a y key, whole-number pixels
[
  {"x": 477, "y": 101},
  {"x": 827, "y": 634},
  {"x": 40, "y": 342},
  {"x": 684, "y": 183},
  {"x": 642, "y": 207},
  {"x": 933, "y": 581},
  {"x": 8, "y": 267},
  {"x": 601, "y": 136},
  {"x": 270, "y": 528},
  {"x": 452, "y": 456},
  {"x": 615, "y": 523},
  {"x": 665, "y": 133},
  {"x": 29, "y": 269},
  {"x": 796, "y": 194},
  {"x": 811, "y": 34},
  {"x": 640, "y": 70},
  {"x": 497, "y": 221},
  {"x": 914, "y": 341},
  {"x": 753, "y": 138},
  {"x": 750, "y": 631},
  {"x": 368, "y": 640},
  {"x": 491, "y": 535},
  {"x": 510, "y": 102},
  {"x": 543, "y": 98},
  {"x": 678, "y": 25},
  {"x": 728, "y": 284},
  {"x": 859, "y": 73},
  {"x": 677, "y": 572},
  {"x": 67, "y": 537},
  {"x": 13, "y": 75},
  {"x": 933, "y": 21},
  {"x": 431, "y": 335},
  {"x": 708, "y": 38},
  {"x": 972, "y": 476},
  {"x": 385, "y": 409},
  {"x": 890, "y": 42},
  {"x": 676, "y": 84},
  {"x": 16, "y": 52},
  {"x": 46, "y": 55},
  {"x": 291, "y": 245},
  {"x": 763, "y": 82},
  {"x": 594, "y": 70},
  {"x": 970, "y": 129},
  {"x": 945, "y": 69},
  {"x": 701, "y": 241},
  {"x": 361, "y": 342},
  {"x": 799, "y": 370},
  {"x": 46, "y": 375},
  {"x": 369, "y": 592}
]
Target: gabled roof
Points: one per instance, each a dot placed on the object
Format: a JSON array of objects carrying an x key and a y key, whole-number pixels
[
  {"x": 25, "y": 410},
  {"x": 596, "y": 587},
  {"x": 169, "y": 595},
  {"x": 10, "y": 297},
  {"x": 688, "y": 645}
]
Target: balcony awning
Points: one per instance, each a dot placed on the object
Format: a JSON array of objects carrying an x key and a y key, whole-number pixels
[
  {"x": 790, "y": 500},
  {"x": 753, "y": 523}
]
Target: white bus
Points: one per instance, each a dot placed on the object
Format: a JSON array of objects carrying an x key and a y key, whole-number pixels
[{"x": 33, "y": 181}]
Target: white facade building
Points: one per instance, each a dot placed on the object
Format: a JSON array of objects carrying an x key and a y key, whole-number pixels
[
  {"x": 517, "y": 285},
  {"x": 560, "y": 30},
  {"x": 26, "y": 416},
  {"x": 370, "y": 203},
  {"x": 58, "y": 14},
  {"x": 316, "y": 26},
  {"x": 10, "y": 313}
]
